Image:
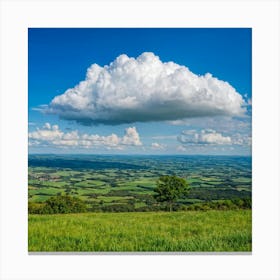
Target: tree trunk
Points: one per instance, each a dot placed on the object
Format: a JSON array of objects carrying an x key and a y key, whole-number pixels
[{"x": 170, "y": 206}]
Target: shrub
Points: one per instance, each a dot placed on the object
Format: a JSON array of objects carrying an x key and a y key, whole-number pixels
[
  {"x": 245, "y": 203},
  {"x": 58, "y": 205},
  {"x": 35, "y": 208},
  {"x": 65, "y": 204},
  {"x": 118, "y": 208}
]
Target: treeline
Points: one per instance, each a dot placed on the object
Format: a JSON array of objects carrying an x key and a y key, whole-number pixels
[
  {"x": 228, "y": 204},
  {"x": 62, "y": 204}
]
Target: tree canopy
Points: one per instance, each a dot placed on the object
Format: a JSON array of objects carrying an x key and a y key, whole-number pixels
[{"x": 170, "y": 188}]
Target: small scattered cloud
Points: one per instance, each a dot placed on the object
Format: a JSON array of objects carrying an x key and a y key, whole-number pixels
[
  {"x": 242, "y": 140},
  {"x": 145, "y": 89},
  {"x": 51, "y": 135},
  {"x": 181, "y": 148},
  {"x": 131, "y": 137},
  {"x": 158, "y": 146},
  {"x": 212, "y": 137},
  {"x": 41, "y": 108},
  {"x": 47, "y": 133},
  {"x": 164, "y": 137},
  {"x": 204, "y": 137},
  {"x": 220, "y": 123}
]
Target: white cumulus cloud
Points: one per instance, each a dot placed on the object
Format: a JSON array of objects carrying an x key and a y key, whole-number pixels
[
  {"x": 145, "y": 89},
  {"x": 212, "y": 137},
  {"x": 181, "y": 148},
  {"x": 131, "y": 137},
  {"x": 242, "y": 140},
  {"x": 52, "y": 135},
  {"x": 47, "y": 133},
  {"x": 158, "y": 146},
  {"x": 204, "y": 137}
]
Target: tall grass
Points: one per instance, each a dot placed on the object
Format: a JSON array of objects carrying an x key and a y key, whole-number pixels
[{"x": 210, "y": 231}]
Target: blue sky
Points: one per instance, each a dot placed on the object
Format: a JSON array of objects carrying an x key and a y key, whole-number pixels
[{"x": 138, "y": 102}]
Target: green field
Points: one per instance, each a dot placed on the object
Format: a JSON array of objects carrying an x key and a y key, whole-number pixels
[
  {"x": 126, "y": 183},
  {"x": 190, "y": 231}
]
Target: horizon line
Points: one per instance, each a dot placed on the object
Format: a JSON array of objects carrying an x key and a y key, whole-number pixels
[{"x": 62, "y": 154}]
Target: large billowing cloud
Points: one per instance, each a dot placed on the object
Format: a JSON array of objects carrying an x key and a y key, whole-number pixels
[
  {"x": 53, "y": 136},
  {"x": 145, "y": 89}
]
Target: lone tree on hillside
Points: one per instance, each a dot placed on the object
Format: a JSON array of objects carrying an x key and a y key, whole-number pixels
[{"x": 170, "y": 188}]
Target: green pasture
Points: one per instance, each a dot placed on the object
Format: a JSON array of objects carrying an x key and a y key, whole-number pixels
[
  {"x": 107, "y": 184},
  {"x": 198, "y": 231}
]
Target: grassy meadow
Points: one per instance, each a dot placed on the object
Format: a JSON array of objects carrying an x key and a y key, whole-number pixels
[
  {"x": 189, "y": 231},
  {"x": 120, "y": 213}
]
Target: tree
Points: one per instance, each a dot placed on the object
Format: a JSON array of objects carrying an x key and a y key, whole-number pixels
[
  {"x": 170, "y": 188},
  {"x": 64, "y": 204}
]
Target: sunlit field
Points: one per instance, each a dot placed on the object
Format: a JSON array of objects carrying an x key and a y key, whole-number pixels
[{"x": 190, "y": 231}]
